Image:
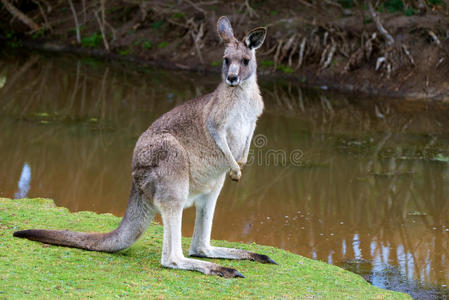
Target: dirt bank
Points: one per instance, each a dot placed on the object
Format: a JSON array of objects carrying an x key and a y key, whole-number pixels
[{"x": 388, "y": 48}]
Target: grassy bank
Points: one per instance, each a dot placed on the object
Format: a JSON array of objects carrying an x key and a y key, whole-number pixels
[{"x": 31, "y": 269}]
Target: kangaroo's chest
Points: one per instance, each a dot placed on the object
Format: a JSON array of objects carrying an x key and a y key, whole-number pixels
[{"x": 240, "y": 126}]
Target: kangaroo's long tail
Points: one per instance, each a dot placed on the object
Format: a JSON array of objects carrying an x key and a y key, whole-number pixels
[{"x": 137, "y": 218}]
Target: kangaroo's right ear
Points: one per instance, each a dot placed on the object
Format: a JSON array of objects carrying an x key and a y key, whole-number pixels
[{"x": 224, "y": 29}]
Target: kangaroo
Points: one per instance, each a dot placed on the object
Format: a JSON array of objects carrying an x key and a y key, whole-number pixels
[{"x": 182, "y": 159}]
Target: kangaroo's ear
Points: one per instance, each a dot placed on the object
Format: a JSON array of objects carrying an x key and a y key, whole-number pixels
[
  {"x": 224, "y": 29},
  {"x": 254, "y": 39}
]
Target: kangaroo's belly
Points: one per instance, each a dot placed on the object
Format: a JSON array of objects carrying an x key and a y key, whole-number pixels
[
  {"x": 205, "y": 171},
  {"x": 207, "y": 166}
]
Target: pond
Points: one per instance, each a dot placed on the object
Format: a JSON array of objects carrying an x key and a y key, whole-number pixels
[{"x": 357, "y": 182}]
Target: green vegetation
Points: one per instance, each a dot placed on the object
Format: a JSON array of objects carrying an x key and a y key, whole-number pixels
[
  {"x": 393, "y": 6},
  {"x": 266, "y": 63},
  {"x": 12, "y": 40},
  {"x": 285, "y": 69},
  {"x": 437, "y": 2},
  {"x": 179, "y": 15},
  {"x": 92, "y": 41},
  {"x": 157, "y": 24},
  {"x": 162, "y": 45},
  {"x": 31, "y": 269},
  {"x": 124, "y": 52},
  {"x": 346, "y": 3},
  {"x": 38, "y": 34}
]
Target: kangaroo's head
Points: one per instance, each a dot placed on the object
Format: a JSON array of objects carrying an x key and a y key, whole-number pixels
[{"x": 239, "y": 59}]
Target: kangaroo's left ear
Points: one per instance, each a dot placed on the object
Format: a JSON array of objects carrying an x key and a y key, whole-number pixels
[{"x": 254, "y": 39}]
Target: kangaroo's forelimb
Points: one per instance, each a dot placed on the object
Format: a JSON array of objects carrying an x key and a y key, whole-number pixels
[
  {"x": 219, "y": 136},
  {"x": 244, "y": 159}
]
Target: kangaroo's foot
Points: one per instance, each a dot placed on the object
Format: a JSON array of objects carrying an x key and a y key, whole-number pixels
[
  {"x": 230, "y": 253},
  {"x": 201, "y": 266}
]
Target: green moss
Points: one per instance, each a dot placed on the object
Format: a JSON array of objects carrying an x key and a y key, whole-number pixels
[{"x": 31, "y": 269}]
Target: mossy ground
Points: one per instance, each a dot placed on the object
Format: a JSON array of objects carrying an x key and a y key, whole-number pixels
[{"x": 35, "y": 270}]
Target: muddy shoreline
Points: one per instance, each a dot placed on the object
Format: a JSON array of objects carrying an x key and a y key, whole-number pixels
[
  {"x": 395, "y": 48},
  {"x": 308, "y": 79}
]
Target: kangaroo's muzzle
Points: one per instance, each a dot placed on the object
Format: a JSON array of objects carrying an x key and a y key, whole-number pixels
[{"x": 232, "y": 80}]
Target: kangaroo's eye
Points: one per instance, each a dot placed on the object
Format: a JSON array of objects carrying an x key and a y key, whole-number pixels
[
  {"x": 245, "y": 61},
  {"x": 226, "y": 60}
]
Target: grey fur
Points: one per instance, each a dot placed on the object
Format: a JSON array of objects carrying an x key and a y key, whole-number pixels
[{"x": 182, "y": 159}]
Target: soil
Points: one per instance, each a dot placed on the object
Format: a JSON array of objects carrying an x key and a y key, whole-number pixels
[{"x": 327, "y": 44}]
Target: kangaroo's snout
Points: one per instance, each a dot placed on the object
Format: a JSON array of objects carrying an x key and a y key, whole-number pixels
[{"x": 232, "y": 80}]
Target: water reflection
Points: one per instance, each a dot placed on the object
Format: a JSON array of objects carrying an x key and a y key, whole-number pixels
[
  {"x": 24, "y": 182},
  {"x": 369, "y": 192}
]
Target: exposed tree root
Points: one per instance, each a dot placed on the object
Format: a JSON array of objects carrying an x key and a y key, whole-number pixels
[
  {"x": 20, "y": 15},
  {"x": 326, "y": 39}
]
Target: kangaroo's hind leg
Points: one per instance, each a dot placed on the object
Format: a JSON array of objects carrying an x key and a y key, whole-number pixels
[
  {"x": 201, "y": 247},
  {"x": 162, "y": 175},
  {"x": 172, "y": 256}
]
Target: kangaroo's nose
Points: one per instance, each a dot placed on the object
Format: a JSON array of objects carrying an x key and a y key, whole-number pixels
[{"x": 232, "y": 79}]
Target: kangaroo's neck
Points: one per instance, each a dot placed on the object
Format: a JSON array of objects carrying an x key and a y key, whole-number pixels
[
  {"x": 247, "y": 92},
  {"x": 227, "y": 102}
]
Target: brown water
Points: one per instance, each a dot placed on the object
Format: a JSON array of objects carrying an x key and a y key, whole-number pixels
[{"x": 361, "y": 183}]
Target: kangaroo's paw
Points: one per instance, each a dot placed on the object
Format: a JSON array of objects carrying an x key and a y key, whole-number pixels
[
  {"x": 235, "y": 174},
  {"x": 241, "y": 163},
  {"x": 230, "y": 253}
]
